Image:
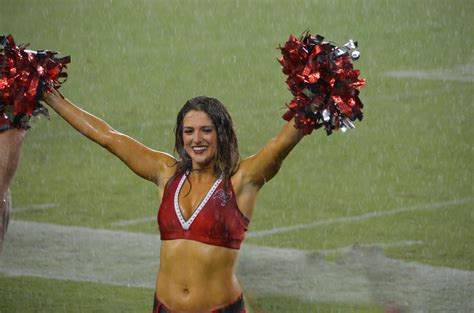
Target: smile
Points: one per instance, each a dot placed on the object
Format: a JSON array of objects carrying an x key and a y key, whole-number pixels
[{"x": 199, "y": 149}]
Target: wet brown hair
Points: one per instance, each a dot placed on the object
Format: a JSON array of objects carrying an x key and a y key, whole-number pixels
[{"x": 227, "y": 156}]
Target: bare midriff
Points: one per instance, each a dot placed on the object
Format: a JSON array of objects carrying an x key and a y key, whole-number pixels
[{"x": 195, "y": 277}]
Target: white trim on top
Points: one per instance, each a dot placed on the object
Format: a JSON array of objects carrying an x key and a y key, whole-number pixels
[{"x": 187, "y": 224}]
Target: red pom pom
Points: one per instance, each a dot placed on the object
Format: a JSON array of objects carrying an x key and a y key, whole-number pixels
[
  {"x": 24, "y": 76},
  {"x": 323, "y": 82}
]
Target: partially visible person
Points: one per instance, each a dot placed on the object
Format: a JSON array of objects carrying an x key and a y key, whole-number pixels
[
  {"x": 24, "y": 76},
  {"x": 12, "y": 134}
]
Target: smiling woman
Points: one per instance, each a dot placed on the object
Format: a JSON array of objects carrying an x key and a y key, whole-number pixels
[
  {"x": 207, "y": 197},
  {"x": 204, "y": 130},
  {"x": 200, "y": 139}
]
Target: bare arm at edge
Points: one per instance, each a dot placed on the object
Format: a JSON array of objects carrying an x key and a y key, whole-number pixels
[{"x": 147, "y": 163}]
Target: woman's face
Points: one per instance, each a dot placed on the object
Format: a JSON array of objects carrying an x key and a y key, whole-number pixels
[{"x": 199, "y": 139}]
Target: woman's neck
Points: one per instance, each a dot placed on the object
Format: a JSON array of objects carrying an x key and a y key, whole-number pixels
[{"x": 203, "y": 175}]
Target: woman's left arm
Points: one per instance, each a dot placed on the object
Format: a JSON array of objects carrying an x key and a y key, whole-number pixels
[{"x": 263, "y": 166}]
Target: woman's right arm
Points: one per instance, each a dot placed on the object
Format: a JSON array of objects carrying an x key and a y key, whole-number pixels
[{"x": 150, "y": 164}]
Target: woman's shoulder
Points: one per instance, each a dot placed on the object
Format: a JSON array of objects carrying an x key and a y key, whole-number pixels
[
  {"x": 246, "y": 171},
  {"x": 243, "y": 177},
  {"x": 169, "y": 173}
]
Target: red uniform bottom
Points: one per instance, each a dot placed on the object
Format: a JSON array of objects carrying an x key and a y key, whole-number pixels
[{"x": 235, "y": 307}]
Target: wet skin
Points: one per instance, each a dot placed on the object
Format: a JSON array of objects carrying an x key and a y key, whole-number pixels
[
  {"x": 10, "y": 143},
  {"x": 193, "y": 277}
]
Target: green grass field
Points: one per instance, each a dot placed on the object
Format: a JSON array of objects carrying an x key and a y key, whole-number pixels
[{"x": 135, "y": 63}]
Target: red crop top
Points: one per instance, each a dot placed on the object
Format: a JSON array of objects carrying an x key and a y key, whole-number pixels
[{"x": 216, "y": 221}]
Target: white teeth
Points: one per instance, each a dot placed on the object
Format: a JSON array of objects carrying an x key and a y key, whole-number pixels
[{"x": 199, "y": 148}]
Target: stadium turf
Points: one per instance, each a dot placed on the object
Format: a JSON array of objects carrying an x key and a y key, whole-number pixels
[{"x": 401, "y": 181}]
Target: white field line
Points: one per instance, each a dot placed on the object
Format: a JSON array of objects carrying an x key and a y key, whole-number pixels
[
  {"x": 348, "y": 249},
  {"x": 360, "y": 275},
  {"x": 134, "y": 221},
  {"x": 356, "y": 218},
  {"x": 273, "y": 231},
  {"x": 36, "y": 207}
]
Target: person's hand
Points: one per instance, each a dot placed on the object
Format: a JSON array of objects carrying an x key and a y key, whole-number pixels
[{"x": 51, "y": 95}]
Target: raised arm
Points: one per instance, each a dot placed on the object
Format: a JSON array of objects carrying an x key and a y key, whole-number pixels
[
  {"x": 261, "y": 167},
  {"x": 145, "y": 162}
]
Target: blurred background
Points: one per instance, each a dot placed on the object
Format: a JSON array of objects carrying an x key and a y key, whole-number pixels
[{"x": 378, "y": 219}]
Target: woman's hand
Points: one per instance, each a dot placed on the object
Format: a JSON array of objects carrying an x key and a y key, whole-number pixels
[{"x": 52, "y": 96}]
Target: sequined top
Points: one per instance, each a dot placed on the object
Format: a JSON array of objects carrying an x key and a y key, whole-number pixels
[{"x": 216, "y": 221}]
